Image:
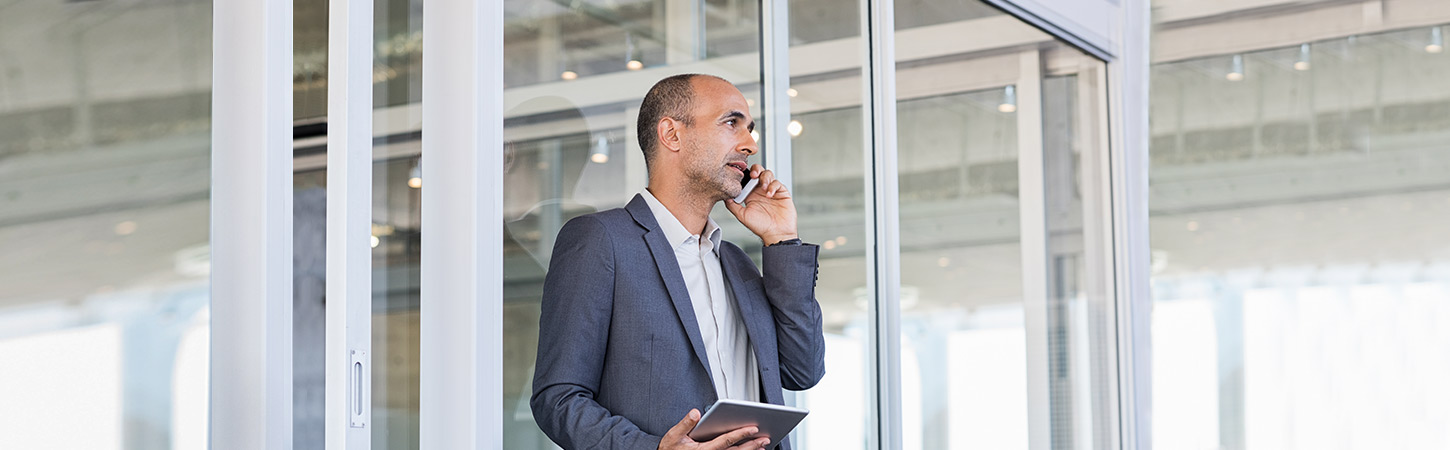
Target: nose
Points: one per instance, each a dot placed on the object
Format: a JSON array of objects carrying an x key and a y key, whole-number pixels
[{"x": 747, "y": 145}]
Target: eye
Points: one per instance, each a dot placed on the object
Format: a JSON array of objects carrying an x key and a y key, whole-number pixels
[{"x": 732, "y": 122}]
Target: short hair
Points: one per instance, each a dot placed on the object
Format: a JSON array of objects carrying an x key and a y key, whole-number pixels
[{"x": 671, "y": 97}]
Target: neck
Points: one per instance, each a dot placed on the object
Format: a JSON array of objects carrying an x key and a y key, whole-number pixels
[{"x": 691, "y": 210}]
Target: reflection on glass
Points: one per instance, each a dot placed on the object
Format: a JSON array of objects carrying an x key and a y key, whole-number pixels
[
  {"x": 309, "y": 60},
  {"x": 104, "y": 186},
  {"x": 397, "y": 56},
  {"x": 574, "y": 78},
  {"x": 397, "y": 184},
  {"x": 961, "y": 253},
  {"x": 396, "y": 213},
  {"x": 1301, "y": 278},
  {"x": 830, "y": 199},
  {"x": 975, "y": 337},
  {"x": 830, "y": 179}
]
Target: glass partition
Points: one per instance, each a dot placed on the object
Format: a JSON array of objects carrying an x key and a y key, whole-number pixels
[
  {"x": 1301, "y": 279},
  {"x": 980, "y": 320},
  {"x": 104, "y": 195},
  {"x": 396, "y": 238},
  {"x": 998, "y": 133},
  {"x": 829, "y": 171}
]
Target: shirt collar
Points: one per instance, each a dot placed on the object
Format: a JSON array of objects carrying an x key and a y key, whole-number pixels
[{"x": 674, "y": 231}]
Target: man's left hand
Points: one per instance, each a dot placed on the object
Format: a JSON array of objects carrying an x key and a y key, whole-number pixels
[{"x": 768, "y": 211}]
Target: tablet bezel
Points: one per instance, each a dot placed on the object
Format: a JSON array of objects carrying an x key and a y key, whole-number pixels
[{"x": 775, "y": 421}]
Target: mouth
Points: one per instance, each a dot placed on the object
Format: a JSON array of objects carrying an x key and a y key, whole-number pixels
[{"x": 738, "y": 165}]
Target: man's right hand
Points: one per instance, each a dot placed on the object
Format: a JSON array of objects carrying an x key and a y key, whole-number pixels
[{"x": 678, "y": 437}]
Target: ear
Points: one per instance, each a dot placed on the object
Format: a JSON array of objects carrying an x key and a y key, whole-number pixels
[{"x": 668, "y": 131}]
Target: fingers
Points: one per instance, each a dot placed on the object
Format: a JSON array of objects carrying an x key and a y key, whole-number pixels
[
  {"x": 682, "y": 428},
  {"x": 752, "y": 445},
  {"x": 725, "y": 440},
  {"x": 766, "y": 177},
  {"x": 768, "y": 186}
]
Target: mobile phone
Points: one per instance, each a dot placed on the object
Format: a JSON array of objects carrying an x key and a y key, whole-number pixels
[{"x": 747, "y": 184}]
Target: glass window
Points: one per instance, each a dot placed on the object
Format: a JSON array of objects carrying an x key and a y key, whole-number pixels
[
  {"x": 397, "y": 184},
  {"x": 1301, "y": 279},
  {"x": 104, "y": 201},
  {"x": 396, "y": 212},
  {"x": 1000, "y": 346},
  {"x": 830, "y": 182}
]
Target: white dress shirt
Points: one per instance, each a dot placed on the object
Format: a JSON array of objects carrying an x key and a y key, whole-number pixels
[{"x": 727, "y": 345}]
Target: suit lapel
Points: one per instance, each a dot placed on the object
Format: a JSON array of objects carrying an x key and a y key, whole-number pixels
[{"x": 669, "y": 268}]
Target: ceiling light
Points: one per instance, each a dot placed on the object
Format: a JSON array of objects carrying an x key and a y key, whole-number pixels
[
  {"x": 415, "y": 175},
  {"x": 1437, "y": 41},
  {"x": 1009, "y": 100},
  {"x": 376, "y": 241},
  {"x": 1236, "y": 69},
  {"x": 795, "y": 128},
  {"x": 568, "y": 75},
  {"x": 792, "y": 92},
  {"x": 125, "y": 228},
  {"x": 1303, "y": 63},
  {"x": 633, "y": 63},
  {"x": 600, "y": 153}
]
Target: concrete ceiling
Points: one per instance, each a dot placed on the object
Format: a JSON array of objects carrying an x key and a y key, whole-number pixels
[{"x": 84, "y": 217}]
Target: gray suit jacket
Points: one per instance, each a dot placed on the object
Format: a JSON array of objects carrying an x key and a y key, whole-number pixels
[{"x": 620, "y": 356}]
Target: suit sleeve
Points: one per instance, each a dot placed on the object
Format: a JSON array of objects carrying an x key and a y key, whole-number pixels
[
  {"x": 573, "y": 332},
  {"x": 789, "y": 273}
]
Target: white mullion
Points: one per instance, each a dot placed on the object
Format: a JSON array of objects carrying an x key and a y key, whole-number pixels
[
  {"x": 684, "y": 31},
  {"x": 1128, "y": 161},
  {"x": 251, "y": 226},
  {"x": 349, "y": 226},
  {"x": 775, "y": 80},
  {"x": 883, "y": 257},
  {"x": 461, "y": 336},
  {"x": 1085, "y": 24},
  {"x": 1098, "y": 236},
  {"x": 1033, "y": 209}
]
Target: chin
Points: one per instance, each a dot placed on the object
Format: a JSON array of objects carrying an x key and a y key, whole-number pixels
[
  {"x": 729, "y": 189},
  {"x": 726, "y": 195}
]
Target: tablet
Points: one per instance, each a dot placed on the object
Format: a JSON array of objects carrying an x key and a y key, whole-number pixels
[{"x": 774, "y": 421}]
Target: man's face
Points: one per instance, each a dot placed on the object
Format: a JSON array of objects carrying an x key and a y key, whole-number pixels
[{"x": 717, "y": 144}]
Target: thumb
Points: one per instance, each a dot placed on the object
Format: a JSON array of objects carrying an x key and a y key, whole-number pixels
[
  {"x": 735, "y": 208},
  {"x": 686, "y": 424}
]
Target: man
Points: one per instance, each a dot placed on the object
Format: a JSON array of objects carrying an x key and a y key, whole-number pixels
[{"x": 648, "y": 316}]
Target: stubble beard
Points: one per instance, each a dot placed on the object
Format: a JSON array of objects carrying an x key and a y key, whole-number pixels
[{"x": 708, "y": 179}]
